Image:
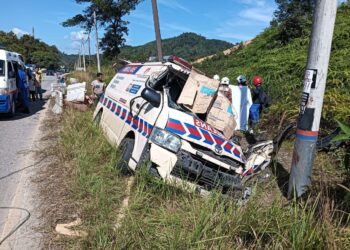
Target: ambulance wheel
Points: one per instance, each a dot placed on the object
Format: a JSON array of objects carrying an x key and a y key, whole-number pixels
[
  {"x": 13, "y": 108},
  {"x": 145, "y": 163},
  {"x": 97, "y": 119},
  {"x": 126, "y": 147}
]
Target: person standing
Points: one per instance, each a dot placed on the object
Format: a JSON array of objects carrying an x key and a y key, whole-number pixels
[
  {"x": 260, "y": 100},
  {"x": 225, "y": 89},
  {"x": 241, "y": 102},
  {"x": 23, "y": 88},
  {"x": 98, "y": 87},
  {"x": 38, "y": 79},
  {"x": 31, "y": 85}
]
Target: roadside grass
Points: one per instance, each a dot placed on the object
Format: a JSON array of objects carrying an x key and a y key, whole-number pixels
[{"x": 160, "y": 216}]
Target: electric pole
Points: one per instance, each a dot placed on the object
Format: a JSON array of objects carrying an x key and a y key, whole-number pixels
[
  {"x": 33, "y": 33},
  {"x": 157, "y": 30},
  {"x": 312, "y": 97},
  {"x": 89, "y": 49},
  {"x": 97, "y": 45},
  {"x": 83, "y": 48}
]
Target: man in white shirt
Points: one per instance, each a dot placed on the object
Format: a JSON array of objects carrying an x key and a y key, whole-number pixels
[{"x": 98, "y": 86}]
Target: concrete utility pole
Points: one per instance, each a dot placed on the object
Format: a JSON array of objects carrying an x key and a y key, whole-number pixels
[
  {"x": 157, "y": 30},
  {"x": 97, "y": 45},
  {"x": 89, "y": 49},
  {"x": 83, "y": 48},
  {"x": 33, "y": 33},
  {"x": 312, "y": 97}
]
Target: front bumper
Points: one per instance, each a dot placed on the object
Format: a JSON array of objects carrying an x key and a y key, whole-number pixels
[
  {"x": 204, "y": 173},
  {"x": 194, "y": 169},
  {"x": 5, "y": 103}
]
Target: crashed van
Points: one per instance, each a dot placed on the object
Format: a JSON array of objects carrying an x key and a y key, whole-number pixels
[{"x": 139, "y": 114}]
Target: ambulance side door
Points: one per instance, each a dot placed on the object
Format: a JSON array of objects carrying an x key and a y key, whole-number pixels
[{"x": 143, "y": 115}]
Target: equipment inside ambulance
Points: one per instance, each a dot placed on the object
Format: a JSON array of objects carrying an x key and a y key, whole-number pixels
[{"x": 142, "y": 112}]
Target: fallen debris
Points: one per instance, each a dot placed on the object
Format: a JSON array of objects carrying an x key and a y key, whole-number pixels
[
  {"x": 65, "y": 229},
  {"x": 76, "y": 92}
]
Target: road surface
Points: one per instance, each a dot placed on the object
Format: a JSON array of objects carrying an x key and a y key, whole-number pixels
[{"x": 18, "y": 138}]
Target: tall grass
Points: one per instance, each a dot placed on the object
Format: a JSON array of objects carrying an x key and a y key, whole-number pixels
[{"x": 160, "y": 216}]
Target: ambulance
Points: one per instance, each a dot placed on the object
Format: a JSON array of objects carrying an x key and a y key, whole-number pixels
[
  {"x": 8, "y": 89},
  {"x": 139, "y": 114}
]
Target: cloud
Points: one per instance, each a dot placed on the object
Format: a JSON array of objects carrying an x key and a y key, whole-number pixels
[
  {"x": 254, "y": 15},
  {"x": 175, "y": 27},
  {"x": 78, "y": 35},
  {"x": 259, "y": 3},
  {"x": 236, "y": 36},
  {"x": 19, "y": 33},
  {"x": 174, "y": 4},
  {"x": 257, "y": 14}
]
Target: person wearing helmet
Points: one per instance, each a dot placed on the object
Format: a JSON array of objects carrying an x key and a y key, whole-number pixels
[
  {"x": 241, "y": 80},
  {"x": 225, "y": 89},
  {"x": 258, "y": 101},
  {"x": 241, "y": 102}
]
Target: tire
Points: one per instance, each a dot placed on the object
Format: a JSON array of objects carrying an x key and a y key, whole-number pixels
[
  {"x": 146, "y": 163},
  {"x": 126, "y": 147},
  {"x": 97, "y": 119},
  {"x": 13, "y": 108}
]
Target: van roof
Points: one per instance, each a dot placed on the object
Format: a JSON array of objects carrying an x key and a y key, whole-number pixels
[{"x": 9, "y": 55}]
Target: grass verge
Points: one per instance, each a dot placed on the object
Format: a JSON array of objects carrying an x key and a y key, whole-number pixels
[{"x": 162, "y": 217}]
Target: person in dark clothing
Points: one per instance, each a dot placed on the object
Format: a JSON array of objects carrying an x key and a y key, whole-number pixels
[
  {"x": 258, "y": 101},
  {"x": 23, "y": 88}
]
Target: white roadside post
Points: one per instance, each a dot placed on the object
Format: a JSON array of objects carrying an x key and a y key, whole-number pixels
[{"x": 312, "y": 97}]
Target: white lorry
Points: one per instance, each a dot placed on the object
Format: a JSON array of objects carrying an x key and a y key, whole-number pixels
[
  {"x": 139, "y": 114},
  {"x": 8, "y": 89}
]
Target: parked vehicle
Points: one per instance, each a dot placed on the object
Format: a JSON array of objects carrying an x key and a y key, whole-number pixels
[
  {"x": 8, "y": 88},
  {"x": 140, "y": 115}
]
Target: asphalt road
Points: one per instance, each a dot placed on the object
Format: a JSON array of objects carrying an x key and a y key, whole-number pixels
[{"x": 17, "y": 141}]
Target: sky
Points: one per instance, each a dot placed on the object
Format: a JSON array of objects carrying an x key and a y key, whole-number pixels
[{"x": 229, "y": 20}]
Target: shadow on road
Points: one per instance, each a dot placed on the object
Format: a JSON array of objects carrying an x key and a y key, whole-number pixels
[{"x": 34, "y": 107}]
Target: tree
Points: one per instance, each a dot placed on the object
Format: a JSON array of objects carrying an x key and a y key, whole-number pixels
[
  {"x": 293, "y": 18},
  {"x": 109, "y": 14}
]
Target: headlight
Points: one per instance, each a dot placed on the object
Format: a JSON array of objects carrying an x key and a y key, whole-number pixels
[{"x": 166, "y": 140}]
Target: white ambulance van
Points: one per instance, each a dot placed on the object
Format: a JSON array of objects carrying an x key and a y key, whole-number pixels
[
  {"x": 8, "y": 88},
  {"x": 139, "y": 114}
]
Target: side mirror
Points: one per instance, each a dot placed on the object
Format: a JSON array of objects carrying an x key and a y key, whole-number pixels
[{"x": 151, "y": 96}]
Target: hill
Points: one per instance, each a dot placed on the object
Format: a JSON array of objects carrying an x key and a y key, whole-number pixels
[
  {"x": 188, "y": 46},
  {"x": 282, "y": 67},
  {"x": 33, "y": 50}
]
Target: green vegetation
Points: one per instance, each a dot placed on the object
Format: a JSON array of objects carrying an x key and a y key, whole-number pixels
[
  {"x": 160, "y": 216},
  {"x": 33, "y": 50},
  {"x": 188, "y": 46},
  {"x": 293, "y": 19},
  {"x": 282, "y": 67}
]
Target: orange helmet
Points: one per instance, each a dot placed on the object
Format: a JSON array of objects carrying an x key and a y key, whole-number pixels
[{"x": 257, "y": 80}]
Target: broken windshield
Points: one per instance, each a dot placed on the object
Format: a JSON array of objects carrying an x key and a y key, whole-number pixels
[{"x": 176, "y": 106}]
